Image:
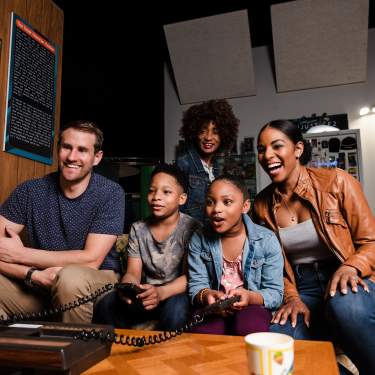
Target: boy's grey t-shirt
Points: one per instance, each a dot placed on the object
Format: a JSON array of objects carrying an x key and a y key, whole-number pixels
[{"x": 162, "y": 261}]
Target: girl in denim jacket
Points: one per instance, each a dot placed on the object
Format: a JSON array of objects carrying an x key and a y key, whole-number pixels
[{"x": 232, "y": 257}]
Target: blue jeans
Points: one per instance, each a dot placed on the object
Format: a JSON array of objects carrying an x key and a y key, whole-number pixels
[
  {"x": 348, "y": 320},
  {"x": 171, "y": 314}
]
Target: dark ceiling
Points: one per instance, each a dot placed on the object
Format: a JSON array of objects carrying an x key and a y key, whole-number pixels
[{"x": 113, "y": 63}]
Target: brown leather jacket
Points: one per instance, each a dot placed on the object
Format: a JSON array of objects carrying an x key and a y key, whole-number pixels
[{"x": 340, "y": 213}]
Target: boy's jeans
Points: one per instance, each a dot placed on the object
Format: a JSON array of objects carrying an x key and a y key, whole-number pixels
[
  {"x": 348, "y": 320},
  {"x": 171, "y": 314}
]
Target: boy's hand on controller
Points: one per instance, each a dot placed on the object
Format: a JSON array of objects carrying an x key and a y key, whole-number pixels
[
  {"x": 122, "y": 295},
  {"x": 125, "y": 299},
  {"x": 151, "y": 297}
]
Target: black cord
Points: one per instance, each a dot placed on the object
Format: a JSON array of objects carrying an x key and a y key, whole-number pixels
[
  {"x": 141, "y": 341},
  {"x": 138, "y": 341},
  {"x": 112, "y": 337},
  {"x": 40, "y": 315}
]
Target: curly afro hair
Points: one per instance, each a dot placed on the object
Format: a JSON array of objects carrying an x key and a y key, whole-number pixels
[{"x": 218, "y": 111}]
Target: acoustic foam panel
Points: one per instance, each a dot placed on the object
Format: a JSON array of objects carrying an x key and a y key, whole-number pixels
[
  {"x": 211, "y": 57},
  {"x": 319, "y": 43}
]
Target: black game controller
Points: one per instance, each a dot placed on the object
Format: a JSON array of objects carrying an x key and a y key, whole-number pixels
[
  {"x": 129, "y": 290},
  {"x": 220, "y": 305}
]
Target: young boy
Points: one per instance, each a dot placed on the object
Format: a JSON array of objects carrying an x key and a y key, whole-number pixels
[{"x": 156, "y": 259}]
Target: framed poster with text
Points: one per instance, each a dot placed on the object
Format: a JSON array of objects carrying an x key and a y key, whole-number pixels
[{"x": 31, "y": 94}]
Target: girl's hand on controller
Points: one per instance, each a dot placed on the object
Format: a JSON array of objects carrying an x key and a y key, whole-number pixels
[
  {"x": 212, "y": 296},
  {"x": 248, "y": 297}
]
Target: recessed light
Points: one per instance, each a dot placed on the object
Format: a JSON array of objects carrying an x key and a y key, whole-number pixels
[{"x": 364, "y": 111}]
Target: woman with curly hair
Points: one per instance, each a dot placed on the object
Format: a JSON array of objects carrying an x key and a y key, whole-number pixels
[{"x": 209, "y": 129}]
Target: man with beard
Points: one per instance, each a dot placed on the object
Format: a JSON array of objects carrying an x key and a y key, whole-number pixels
[{"x": 72, "y": 218}]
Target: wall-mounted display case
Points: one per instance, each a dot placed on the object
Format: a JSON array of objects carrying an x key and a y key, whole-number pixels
[{"x": 341, "y": 149}]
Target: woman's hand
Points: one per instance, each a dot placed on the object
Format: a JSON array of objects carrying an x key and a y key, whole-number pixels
[
  {"x": 291, "y": 308},
  {"x": 342, "y": 277}
]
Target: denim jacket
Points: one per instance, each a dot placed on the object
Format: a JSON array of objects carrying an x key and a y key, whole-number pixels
[
  {"x": 191, "y": 164},
  {"x": 262, "y": 263}
]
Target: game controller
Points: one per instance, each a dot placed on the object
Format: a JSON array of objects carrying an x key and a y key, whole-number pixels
[
  {"x": 129, "y": 290},
  {"x": 221, "y": 305}
]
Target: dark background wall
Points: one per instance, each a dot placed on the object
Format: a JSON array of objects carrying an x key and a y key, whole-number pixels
[
  {"x": 113, "y": 64},
  {"x": 112, "y": 74}
]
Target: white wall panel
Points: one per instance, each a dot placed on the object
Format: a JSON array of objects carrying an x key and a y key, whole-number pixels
[
  {"x": 319, "y": 43},
  {"x": 211, "y": 57}
]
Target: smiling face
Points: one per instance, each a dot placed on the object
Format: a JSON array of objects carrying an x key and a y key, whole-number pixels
[
  {"x": 278, "y": 155},
  {"x": 165, "y": 195},
  {"x": 208, "y": 140},
  {"x": 225, "y": 205},
  {"x": 77, "y": 156}
]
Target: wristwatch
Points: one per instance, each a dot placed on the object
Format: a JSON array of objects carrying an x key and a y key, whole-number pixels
[{"x": 28, "y": 280}]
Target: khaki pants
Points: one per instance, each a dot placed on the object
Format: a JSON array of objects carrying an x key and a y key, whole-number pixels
[{"x": 71, "y": 283}]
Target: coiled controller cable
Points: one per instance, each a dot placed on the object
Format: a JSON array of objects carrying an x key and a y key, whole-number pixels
[{"x": 110, "y": 336}]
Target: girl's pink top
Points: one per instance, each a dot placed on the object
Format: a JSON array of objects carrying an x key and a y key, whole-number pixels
[{"x": 232, "y": 276}]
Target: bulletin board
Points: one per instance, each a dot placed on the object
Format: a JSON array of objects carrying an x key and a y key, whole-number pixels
[
  {"x": 341, "y": 149},
  {"x": 242, "y": 165},
  {"x": 31, "y": 93}
]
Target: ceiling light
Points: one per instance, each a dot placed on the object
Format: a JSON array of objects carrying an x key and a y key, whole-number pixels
[
  {"x": 364, "y": 111},
  {"x": 322, "y": 128}
]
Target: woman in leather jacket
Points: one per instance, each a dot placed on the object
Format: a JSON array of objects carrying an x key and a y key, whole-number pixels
[
  {"x": 327, "y": 233},
  {"x": 208, "y": 129}
]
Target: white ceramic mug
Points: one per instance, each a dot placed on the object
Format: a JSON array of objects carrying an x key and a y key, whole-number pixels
[{"x": 270, "y": 353}]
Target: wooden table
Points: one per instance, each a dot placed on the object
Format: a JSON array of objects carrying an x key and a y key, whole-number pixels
[{"x": 206, "y": 354}]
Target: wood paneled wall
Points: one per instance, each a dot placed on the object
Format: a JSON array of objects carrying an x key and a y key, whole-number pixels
[{"x": 48, "y": 19}]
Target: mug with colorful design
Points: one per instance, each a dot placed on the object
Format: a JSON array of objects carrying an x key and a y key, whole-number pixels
[{"x": 270, "y": 353}]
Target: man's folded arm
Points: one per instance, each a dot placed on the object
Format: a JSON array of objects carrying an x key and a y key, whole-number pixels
[{"x": 92, "y": 255}]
